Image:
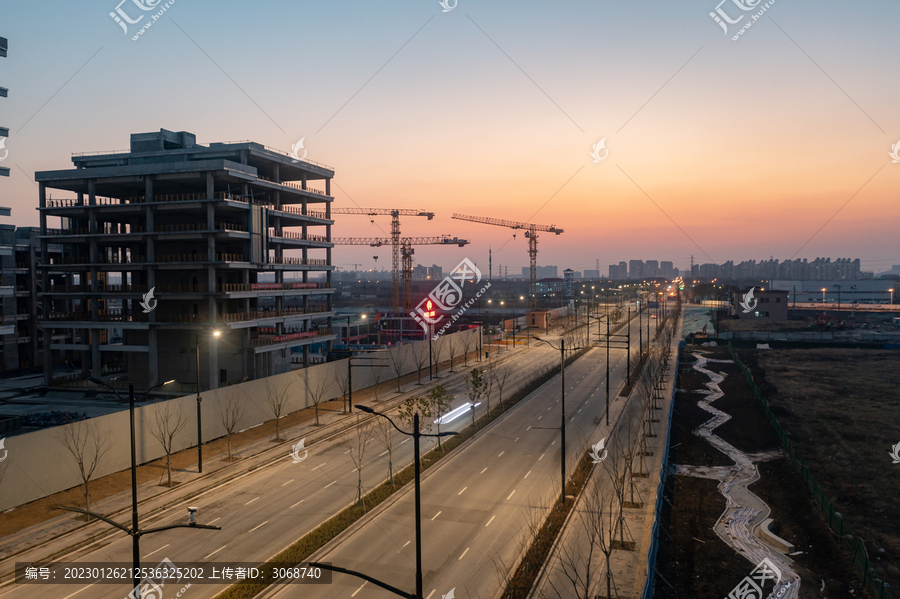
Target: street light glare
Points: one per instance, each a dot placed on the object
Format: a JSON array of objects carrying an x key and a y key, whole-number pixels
[{"x": 167, "y": 382}]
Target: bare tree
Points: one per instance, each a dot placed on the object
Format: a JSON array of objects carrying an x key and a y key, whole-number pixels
[
  {"x": 420, "y": 356},
  {"x": 384, "y": 432},
  {"x": 277, "y": 396},
  {"x": 342, "y": 379},
  {"x": 475, "y": 387},
  {"x": 376, "y": 374},
  {"x": 359, "y": 438},
  {"x": 451, "y": 348},
  {"x": 467, "y": 340},
  {"x": 417, "y": 405},
  {"x": 501, "y": 374},
  {"x": 397, "y": 356},
  {"x": 440, "y": 402},
  {"x": 230, "y": 411},
  {"x": 317, "y": 390},
  {"x": 617, "y": 470},
  {"x": 488, "y": 375},
  {"x": 88, "y": 445},
  {"x": 579, "y": 562},
  {"x": 168, "y": 420}
]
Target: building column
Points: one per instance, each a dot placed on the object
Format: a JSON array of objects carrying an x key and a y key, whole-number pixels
[{"x": 153, "y": 359}]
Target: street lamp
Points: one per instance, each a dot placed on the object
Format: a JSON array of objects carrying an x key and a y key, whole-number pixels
[
  {"x": 217, "y": 333},
  {"x": 416, "y": 434},
  {"x": 134, "y": 531},
  {"x": 562, "y": 407},
  {"x": 823, "y": 295}
]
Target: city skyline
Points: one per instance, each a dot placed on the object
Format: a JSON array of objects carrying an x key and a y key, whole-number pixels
[{"x": 674, "y": 122}]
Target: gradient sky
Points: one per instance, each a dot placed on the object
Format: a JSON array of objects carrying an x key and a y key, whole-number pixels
[{"x": 750, "y": 146}]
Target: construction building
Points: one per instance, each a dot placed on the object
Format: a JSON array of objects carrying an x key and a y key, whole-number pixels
[
  {"x": 4, "y": 131},
  {"x": 182, "y": 246}
]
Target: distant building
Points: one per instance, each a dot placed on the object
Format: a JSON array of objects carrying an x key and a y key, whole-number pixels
[
  {"x": 591, "y": 274},
  {"x": 568, "y": 283},
  {"x": 651, "y": 269},
  {"x": 636, "y": 269},
  {"x": 550, "y": 286},
  {"x": 4, "y": 132},
  {"x": 768, "y": 304},
  {"x": 618, "y": 272},
  {"x": 876, "y": 291}
]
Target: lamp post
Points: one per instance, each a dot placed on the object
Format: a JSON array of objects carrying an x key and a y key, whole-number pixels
[
  {"x": 562, "y": 407},
  {"x": 216, "y": 334},
  {"x": 839, "y": 295},
  {"x": 823, "y": 295},
  {"x": 134, "y": 531},
  {"x": 416, "y": 434},
  {"x": 503, "y": 320}
]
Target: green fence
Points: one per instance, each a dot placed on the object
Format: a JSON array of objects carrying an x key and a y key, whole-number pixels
[{"x": 859, "y": 558}]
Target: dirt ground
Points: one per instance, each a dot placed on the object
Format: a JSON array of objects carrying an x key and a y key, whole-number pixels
[
  {"x": 44, "y": 509},
  {"x": 696, "y": 562},
  {"x": 841, "y": 408}
]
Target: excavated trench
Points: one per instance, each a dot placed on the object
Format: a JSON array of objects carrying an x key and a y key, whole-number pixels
[{"x": 744, "y": 511}]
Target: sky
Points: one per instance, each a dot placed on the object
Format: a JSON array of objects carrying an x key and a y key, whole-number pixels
[{"x": 774, "y": 145}]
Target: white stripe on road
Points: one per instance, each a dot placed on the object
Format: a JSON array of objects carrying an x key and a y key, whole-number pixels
[
  {"x": 510, "y": 495},
  {"x": 482, "y": 472},
  {"x": 489, "y": 521},
  {"x": 542, "y": 457},
  {"x": 319, "y": 466},
  {"x": 260, "y": 526},
  {"x": 329, "y": 484},
  {"x": 296, "y": 504},
  {"x": 216, "y": 551},
  {"x": 381, "y": 454},
  {"x": 526, "y": 475},
  {"x": 251, "y": 501},
  {"x": 461, "y": 492},
  {"x": 288, "y": 482},
  {"x": 463, "y": 554},
  {"x": 435, "y": 516},
  {"x": 210, "y": 522},
  {"x": 430, "y": 594},
  {"x": 158, "y": 550},
  {"x": 501, "y": 453},
  {"x": 359, "y": 589}
]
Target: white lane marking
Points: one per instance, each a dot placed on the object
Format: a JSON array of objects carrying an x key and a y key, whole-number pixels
[
  {"x": 579, "y": 409},
  {"x": 296, "y": 504},
  {"x": 79, "y": 590},
  {"x": 539, "y": 417},
  {"x": 403, "y": 441},
  {"x": 516, "y": 439},
  {"x": 526, "y": 475},
  {"x": 210, "y": 522},
  {"x": 319, "y": 466},
  {"x": 288, "y": 482},
  {"x": 404, "y": 545},
  {"x": 510, "y": 495},
  {"x": 260, "y": 526},
  {"x": 158, "y": 550},
  {"x": 489, "y": 521},
  {"x": 359, "y": 589},
  {"x": 542, "y": 457},
  {"x": 501, "y": 453},
  {"x": 554, "y": 442},
  {"x": 430, "y": 594},
  {"x": 463, "y": 554},
  {"x": 329, "y": 484},
  {"x": 381, "y": 454},
  {"x": 249, "y": 502},
  {"x": 548, "y": 409},
  {"x": 435, "y": 516},
  {"x": 461, "y": 492},
  {"x": 482, "y": 472},
  {"x": 216, "y": 551},
  {"x": 348, "y": 451}
]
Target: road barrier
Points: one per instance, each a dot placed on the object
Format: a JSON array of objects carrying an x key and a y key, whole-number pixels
[{"x": 859, "y": 559}]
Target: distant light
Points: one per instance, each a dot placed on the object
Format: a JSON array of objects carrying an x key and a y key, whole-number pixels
[{"x": 217, "y": 333}]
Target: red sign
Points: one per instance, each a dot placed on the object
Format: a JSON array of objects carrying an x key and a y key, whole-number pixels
[
  {"x": 304, "y": 285},
  {"x": 266, "y": 286}
]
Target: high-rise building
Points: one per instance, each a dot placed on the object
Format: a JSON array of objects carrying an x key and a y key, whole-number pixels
[
  {"x": 568, "y": 283},
  {"x": 636, "y": 269},
  {"x": 174, "y": 241},
  {"x": 591, "y": 273},
  {"x": 4, "y": 131}
]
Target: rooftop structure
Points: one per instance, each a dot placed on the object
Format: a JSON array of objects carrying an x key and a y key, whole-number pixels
[{"x": 173, "y": 241}]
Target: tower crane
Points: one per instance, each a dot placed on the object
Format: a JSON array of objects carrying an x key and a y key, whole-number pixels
[
  {"x": 531, "y": 230},
  {"x": 407, "y": 252},
  {"x": 395, "y": 214}
]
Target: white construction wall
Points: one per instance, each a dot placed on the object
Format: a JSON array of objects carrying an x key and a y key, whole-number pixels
[{"x": 37, "y": 465}]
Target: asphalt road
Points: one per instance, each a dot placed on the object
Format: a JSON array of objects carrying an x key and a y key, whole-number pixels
[
  {"x": 476, "y": 506},
  {"x": 263, "y": 511}
]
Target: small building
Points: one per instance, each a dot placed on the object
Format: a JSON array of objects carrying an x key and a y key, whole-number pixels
[
  {"x": 760, "y": 303},
  {"x": 538, "y": 319}
]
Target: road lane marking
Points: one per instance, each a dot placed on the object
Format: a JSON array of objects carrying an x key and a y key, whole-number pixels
[
  {"x": 510, "y": 495},
  {"x": 516, "y": 439},
  {"x": 216, "y": 551},
  {"x": 554, "y": 442},
  {"x": 526, "y": 475},
  {"x": 501, "y": 453},
  {"x": 359, "y": 589},
  {"x": 251, "y": 501},
  {"x": 260, "y": 526},
  {"x": 461, "y": 492},
  {"x": 489, "y": 521},
  {"x": 381, "y": 454},
  {"x": 463, "y": 554},
  {"x": 329, "y": 484},
  {"x": 296, "y": 504},
  {"x": 79, "y": 590},
  {"x": 288, "y": 482},
  {"x": 403, "y": 441},
  {"x": 216, "y": 520},
  {"x": 348, "y": 451},
  {"x": 435, "y": 516},
  {"x": 539, "y": 417},
  {"x": 404, "y": 545},
  {"x": 482, "y": 472},
  {"x": 542, "y": 457},
  {"x": 158, "y": 550},
  {"x": 430, "y": 594},
  {"x": 319, "y": 466},
  {"x": 548, "y": 409}
]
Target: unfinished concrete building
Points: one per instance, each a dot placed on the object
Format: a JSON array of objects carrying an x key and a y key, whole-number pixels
[{"x": 189, "y": 250}]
